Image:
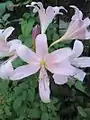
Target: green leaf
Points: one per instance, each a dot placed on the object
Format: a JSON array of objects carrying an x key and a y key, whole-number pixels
[
  {"x": 44, "y": 116},
  {"x": 26, "y": 26},
  {"x": 2, "y": 8},
  {"x": 7, "y": 111},
  {"x": 35, "y": 113},
  {"x": 81, "y": 112},
  {"x": 79, "y": 85},
  {"x": 9, "y": 5},
  {"x": 18, "y": 62},
  {"x": 31, "y": 94},
  {"x": 17, "y": 103},
  {"x": 6, "y": 16}
]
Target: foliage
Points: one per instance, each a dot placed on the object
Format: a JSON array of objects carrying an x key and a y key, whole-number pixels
[{"x": 20, "y": 100}]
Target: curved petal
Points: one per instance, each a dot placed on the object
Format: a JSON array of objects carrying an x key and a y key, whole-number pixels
[
  {"x": 63, "y": 68},
  {"x": 44, "y": 89},
  {"x": 60, "y": 79},
  {"x": 81, "y": 62},
  {"x": 7, "y": 32},
  {"x": 80, "y": 75},
  {"x": 78, "y": 14},
  {"x": 26, "y": 54},
  {"x": 77, "y": 49},
  {"x": 6, "y": 70},
  {"x": 41, "y": 45},
  {"x": 24, "y": 71},
  {"x": 58, "y": 55},
  {"x": 14, "y": 44}
]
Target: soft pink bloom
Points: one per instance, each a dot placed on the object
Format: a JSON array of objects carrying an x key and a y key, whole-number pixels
[
  {"x": 56, "y": 62},
  {"x": 77, "y": 28},
  {"x": 7, "y": 50},
  {"x": 78, "y": 62},
  {"x": 46, "y": 15},
  {"x": 5, "y": 46}
]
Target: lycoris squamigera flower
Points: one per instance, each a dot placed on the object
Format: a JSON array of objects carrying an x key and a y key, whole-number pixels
[
  {"x": 56, "y": 62},
  {"x": 77, "y": 28}
]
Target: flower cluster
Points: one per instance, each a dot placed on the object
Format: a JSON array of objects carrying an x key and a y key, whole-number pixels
[{"x": 63, "y": 63}]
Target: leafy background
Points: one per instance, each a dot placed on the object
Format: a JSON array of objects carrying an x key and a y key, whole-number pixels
[{"x": 20, "y": 100}]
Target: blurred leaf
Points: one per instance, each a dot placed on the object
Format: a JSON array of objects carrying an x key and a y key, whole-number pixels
[
  {"x": 34, "y": 113},
  {"x": 81, "y": 112},
  {"x": 79, "y": 85},
  {"x": 44, "y": 116},
  {"x": 26, "y": 26},
  {"x": 2, "y": 8},
  {"x": 9, "y": 5},
  {"x": 5, "y": 17}
]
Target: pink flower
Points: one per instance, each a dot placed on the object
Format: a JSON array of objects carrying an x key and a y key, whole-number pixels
[
  {"x": 77, "y": 28},
  {"x": 77, "y": 62},
  {"x": 5, "y": 46},
  {"x": 46, "y": 16},
  {"x": 56, "y": 62},
  {"x": 7, "y": 50}
]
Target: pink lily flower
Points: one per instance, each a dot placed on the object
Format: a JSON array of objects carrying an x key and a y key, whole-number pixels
[
  {"x": 55, "y": 62},
  {"x": 78, "y": 62},
  {"x": 77, "y": 28},
  {"x": 46, "y": 16},
  {"x": 7, "y": 50},
  {"x": 5, "y": 46}
]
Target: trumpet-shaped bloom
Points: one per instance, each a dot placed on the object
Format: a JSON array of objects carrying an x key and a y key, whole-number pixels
[
  {"x": 77, "y": 28},
  {"x": 56, "y": 62},
  {"x": 7, "y": 50},
  {"x": 46, "y": 16},
  {"x": 78, "y": 62},
  {"x": 5, "y": 46}
]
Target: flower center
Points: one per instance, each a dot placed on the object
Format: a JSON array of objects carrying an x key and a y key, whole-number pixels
[{"x": 42, "y": 63}]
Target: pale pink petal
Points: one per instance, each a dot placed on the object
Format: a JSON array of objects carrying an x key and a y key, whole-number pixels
[
  {"x": 81, "y": 62},
  {"x": 7, "y": 32},
  {"x": 60, "y": 79},
  {"x": 26, "y": 54},
  {"x": 6, "y": 70},
  {"x": 77, "y": 49},
  {"x": 24, "y": 71},
  {"x": 41, "y": 45},
  {"x": 44, "y": 85},
  {"x": 14, "y": 44},
  {"x": 58, "y": 55},
  {"x": 80, "y": 75},
  {"x": 63, "y": 68},
  {"x": 78, "y": 14}
]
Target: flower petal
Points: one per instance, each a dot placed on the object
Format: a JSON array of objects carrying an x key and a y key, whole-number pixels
[
  {"x": 77, "y": 49},
  {"x": 41, "y": 45},
  {"x": 63, "y": 68},
  {"x": 60, "y": 79},
  {"x": 13, "y": 44},
  {"x": 58, "y": 55},
  {"x": 26, "y": 54},
  {"x": 7, "y": 32},
  {"x": 80, "y": 75},
  {"x": 24, "y": 71},
  {"x": 44, "y": 89},
  {"x": 6, "y": 70},
  {"x": 81, "y": 62},
  {"x": 78, "y": 14}
]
